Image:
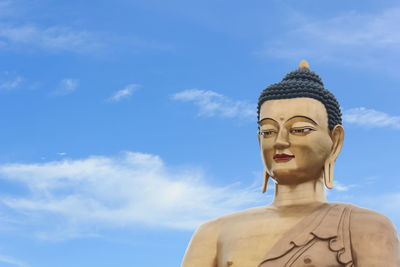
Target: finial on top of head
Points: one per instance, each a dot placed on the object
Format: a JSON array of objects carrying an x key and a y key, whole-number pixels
[{"x": 304, "y": 65}]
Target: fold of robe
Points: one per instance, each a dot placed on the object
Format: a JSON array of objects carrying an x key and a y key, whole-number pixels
[{"x": 322, "y": 239}]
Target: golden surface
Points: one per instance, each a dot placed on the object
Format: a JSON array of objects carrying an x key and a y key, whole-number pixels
[
  {"x": 296, "y": 127},
  {"x": 304, "y": 65}
]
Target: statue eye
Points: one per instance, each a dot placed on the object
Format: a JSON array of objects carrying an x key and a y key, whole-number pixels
[
  {"x": 267, "y": 133},
  {"x": 301, "y": 131}
]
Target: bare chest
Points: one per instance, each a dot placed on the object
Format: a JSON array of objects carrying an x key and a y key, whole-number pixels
[{"x": 245, "y": 243}]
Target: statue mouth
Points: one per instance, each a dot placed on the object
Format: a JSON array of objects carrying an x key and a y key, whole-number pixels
[{"x": 282, "y": 157}]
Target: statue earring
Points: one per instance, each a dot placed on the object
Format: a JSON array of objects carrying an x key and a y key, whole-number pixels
[
  {"x": 265, "y": 182},
  {"x": 328, "y": 173}
]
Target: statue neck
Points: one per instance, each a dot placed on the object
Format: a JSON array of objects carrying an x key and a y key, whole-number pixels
[{"x": 311, "y": 192}]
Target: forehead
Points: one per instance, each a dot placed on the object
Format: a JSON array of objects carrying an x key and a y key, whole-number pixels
[{"x": 283, "y": 109}]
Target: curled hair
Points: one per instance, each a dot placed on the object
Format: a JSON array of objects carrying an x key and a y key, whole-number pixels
[{"x": 303, "y": 83}]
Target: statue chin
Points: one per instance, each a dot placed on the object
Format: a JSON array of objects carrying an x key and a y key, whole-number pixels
[
  {"x": 300, "y": 137},
  {"x": 295, "y": 177}
]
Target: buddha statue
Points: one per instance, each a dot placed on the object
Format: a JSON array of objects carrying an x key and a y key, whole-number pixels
[{"x": 300, "y": 136}]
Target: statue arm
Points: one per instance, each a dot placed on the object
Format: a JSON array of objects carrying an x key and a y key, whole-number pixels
[
  {"x": 374, "y": 239},
  {"x": 202, "y": 249}
]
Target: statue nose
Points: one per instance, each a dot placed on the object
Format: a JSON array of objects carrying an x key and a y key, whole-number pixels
[{"x": 281, "y": 140}]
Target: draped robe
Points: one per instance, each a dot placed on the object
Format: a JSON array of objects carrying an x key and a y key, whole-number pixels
[{"x": 324, "y": 239}]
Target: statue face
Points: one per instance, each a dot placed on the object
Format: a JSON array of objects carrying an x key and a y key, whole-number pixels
[{"x": 294, "y": 139}]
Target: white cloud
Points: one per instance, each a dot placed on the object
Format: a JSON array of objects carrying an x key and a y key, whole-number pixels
[
  {"x": 66, "y": 86},
  {"x": 5, "y": 3},
  {"x": 370, "y": 118},
  {"x": 123, "y": 191},
  {"x": 387, "y": 203},
  {"x": 124, "y": 93},
  {"x": 342, "y": 187},
  {"x": 369, "y": 40},
  {"x": 56, "y": 38},
  {"x": 32, "y": 36},
  {"x": 377, "y": 30},
  {"x": 61, "y": 153},
  {"x": 12, "y": 261},
  {"x": 10, "y": 81},
  {"x": 6, "y": 8},
  {"x": 212, "y": 104}
]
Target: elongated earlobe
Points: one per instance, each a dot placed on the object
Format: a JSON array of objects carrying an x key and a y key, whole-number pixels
[
  {"x": 266, "y": 175},
  {"x": 337, "y": 135},
  {"x": 328, "y": 174},
  {"x": 265, "y": 182}
]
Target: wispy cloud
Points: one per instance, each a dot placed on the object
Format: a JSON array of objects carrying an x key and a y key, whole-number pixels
[
  {"x": 123, "y": 191},
  {"x": 12, "y": 261},
  {"x": 389, "y": 203},
  {"x": 5, "y": 3},
  {"x": 124, "y": 93},
  {"x": 362, "y": 39},
  {"x": 10, "y": 81},
  {"x": 6, "y": 8},
  {"x": 212, "y": 104},
  {"x": 66, "y": 86},
  {"x": 342, "y": 187},
  {"x": 55, "y": 38},
  {"x": 59, "y": 38},
  {"x": 370, "y": 118},
  {"x": 37, "y": 37},
  {"x": 386, "y": 202}
]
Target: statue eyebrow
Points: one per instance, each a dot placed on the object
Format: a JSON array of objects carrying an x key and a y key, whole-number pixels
[
  {"x": 298, "y": 116},
  {"x": 259, "y": 122},
  {"x": 305, "y": 117}
]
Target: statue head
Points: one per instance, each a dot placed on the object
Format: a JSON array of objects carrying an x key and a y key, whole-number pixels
[{"x": 300, "y": 132}]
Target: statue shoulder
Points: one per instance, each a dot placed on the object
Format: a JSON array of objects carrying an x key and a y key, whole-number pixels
[
  {"x": 370, "y": 221},
  {"x": 202, "y": 249},
  {"x": 374, "y": 239},
  {"x": 214, "y": 226}
]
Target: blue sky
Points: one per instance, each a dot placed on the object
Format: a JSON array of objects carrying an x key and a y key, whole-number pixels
[{"x": 126, "y": 124}]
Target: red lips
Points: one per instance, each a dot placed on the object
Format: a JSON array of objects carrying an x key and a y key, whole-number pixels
[{"x": 282, "y": 157}]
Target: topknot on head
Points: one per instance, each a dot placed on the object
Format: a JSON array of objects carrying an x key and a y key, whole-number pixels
[
  {"x": 303, "y": 75},
  {"x": 304, "y": 65}
]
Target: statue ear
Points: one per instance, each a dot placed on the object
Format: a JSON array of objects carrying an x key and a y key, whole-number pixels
[
  {"x": 266, "y": 175},
  {"x": 337, "y": 136},
  {"x": 265, "y": 181}
]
